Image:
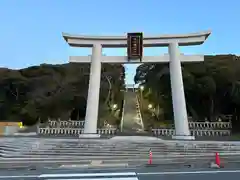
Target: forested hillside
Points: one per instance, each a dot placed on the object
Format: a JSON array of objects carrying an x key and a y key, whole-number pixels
[
  {"x": 212, "y": 89},
  {"x": 55, "y": 91}
]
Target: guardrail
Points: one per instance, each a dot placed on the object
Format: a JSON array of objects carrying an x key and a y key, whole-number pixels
[{"x": 197, "y": 132}]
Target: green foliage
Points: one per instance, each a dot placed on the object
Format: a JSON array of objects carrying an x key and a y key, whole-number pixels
[
  {"x": 39, "y": 92},
  {"x": 212, "y": 87}
]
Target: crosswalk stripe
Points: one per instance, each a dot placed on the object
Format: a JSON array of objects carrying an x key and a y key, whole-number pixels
[
  {"x": 18, "y": 177},
  {"x": 81, "y": 176},
  {"x": 88, "y": 175},
  {"x": 78, "y": 176},
  {"x": 110, "y": 178}
]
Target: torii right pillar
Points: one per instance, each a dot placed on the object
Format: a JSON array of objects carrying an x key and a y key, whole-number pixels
[{"x": 178, "y": 96}]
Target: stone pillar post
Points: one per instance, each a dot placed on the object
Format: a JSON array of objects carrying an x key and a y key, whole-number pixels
[
  {"x": 178, "y": 96},
  {"x": 90, "y": 126}
]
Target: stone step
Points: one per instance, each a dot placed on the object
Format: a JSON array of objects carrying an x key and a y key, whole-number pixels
[
  {"x": 126, "y": 157},
  {"x": 129, "y": 133},
  {"x": 118, "y": 149}
]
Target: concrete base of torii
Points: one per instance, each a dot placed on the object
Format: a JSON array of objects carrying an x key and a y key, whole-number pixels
[
  {"x": 179, "y": 137},
  {"x": 89, "y": 136}
]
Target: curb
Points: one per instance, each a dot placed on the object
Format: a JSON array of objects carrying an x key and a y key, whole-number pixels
[
  {"x": 94, "y": 165},
  {"x": 111, "y": 165},
  {"x": 100, "y": 163},
  {"x": 74, "y": 166}
]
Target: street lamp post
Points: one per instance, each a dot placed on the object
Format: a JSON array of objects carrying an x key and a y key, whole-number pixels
[
  {"x": 151, "y": 109},
  {"x": 150, "y": 106},
  {"x": 114, "y": 107}
]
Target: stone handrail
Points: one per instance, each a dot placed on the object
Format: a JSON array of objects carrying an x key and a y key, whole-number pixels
[
  {"x": 73, "y": 131},
  {"x": 69, "y": 123},
  {"x": 210, "y": 125},
  {"x": 113, "y": 131},
  {"x": 139, "y": 110},
  {"x": 192, "y": 125},
  {"x": 195, "y": 132},
  {"x": 196, "y": 129}
]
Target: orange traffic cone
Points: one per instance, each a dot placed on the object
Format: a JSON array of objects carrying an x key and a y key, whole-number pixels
[
  {"x": 150, "y": 157},
  {"x": 217, "y": 159}
]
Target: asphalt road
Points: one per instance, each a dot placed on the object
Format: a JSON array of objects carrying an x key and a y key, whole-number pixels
[
  {"x": 190, "y": 175},
  {"x": 144, "y": 173}
]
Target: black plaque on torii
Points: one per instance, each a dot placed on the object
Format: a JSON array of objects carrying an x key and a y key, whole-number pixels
[{"x": 135, "y": 46}]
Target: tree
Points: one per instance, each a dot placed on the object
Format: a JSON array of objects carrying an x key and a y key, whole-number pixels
[
  {"x": 212, "y": 88},
  {"x": 52, "y": 90}
]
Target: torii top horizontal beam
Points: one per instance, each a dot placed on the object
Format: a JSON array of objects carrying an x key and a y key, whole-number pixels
[{"x": 149, "y": 41}]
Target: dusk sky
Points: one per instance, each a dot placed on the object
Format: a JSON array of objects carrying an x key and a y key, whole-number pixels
[{"x": 30, "y": 30}]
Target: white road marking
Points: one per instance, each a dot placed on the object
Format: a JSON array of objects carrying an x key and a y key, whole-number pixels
[
  {"x": 118, "y": 178},
  {"x": 188, "y": 172},
  {"x": 13, "y": 177},
  {"x": 88, "y": 175},
  {"x": 122, "y": 176}
]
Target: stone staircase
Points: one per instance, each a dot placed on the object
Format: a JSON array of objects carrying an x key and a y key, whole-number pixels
[
  {"x": 132, "y": 120},
  {"x": 118, "y": 150}
]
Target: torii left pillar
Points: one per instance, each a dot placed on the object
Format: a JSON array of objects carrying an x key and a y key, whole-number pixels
[{"x": 91, "y": 119}]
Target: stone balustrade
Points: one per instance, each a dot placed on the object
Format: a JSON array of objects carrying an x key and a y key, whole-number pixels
[
  {"x": 194, "y": 132},
  {"x": 73, "y": 131},
  {"x": 210, "y": 125},
  {"x": 192, "y": 125},
  {"x": 211, "y": 132},
  {"x": 73, "y": 128},
  {"x": 69, "y": 123},
  {"x": 113, "y": 131}
]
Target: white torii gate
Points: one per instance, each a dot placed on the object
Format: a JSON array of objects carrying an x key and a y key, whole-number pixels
[{"x": 174, "y": 57}]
